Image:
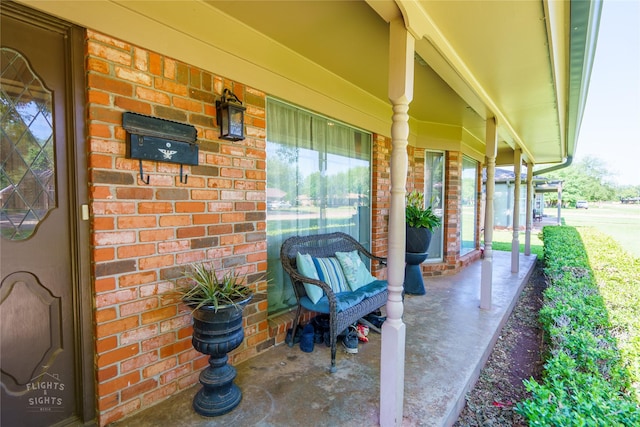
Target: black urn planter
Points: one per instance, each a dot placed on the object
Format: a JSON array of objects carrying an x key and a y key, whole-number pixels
[
  {"x": 216, "y": 333},
  {"x": 417, "y": 245},
  {"x": 418, "y": 239}
]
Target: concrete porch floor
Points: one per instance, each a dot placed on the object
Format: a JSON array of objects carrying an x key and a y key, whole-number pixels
[{"x": 448, "y": 342}]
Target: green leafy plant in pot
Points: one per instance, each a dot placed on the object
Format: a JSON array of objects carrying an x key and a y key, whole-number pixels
[
  {"x": 217, "y": 302},
  {"x": 207, "y": 289},
  {"x": 420, "y": 221}
]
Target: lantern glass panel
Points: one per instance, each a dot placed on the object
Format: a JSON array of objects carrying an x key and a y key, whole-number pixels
[
  {"x": 224, "y": 120},
  {"x": 236, "y": 122}
]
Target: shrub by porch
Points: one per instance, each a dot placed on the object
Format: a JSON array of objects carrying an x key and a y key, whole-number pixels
[{"x": 585, "y": 378}]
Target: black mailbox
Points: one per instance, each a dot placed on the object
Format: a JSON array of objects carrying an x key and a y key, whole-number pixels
[{"x": 150, "y": 138}]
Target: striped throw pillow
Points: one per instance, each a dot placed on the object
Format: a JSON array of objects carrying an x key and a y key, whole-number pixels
[
  {"x": 306, "y": 267},
  {"x": 330, "y": 271}
]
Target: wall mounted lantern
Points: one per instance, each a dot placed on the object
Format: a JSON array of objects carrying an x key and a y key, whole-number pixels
[{"x": 230, "y": 116}]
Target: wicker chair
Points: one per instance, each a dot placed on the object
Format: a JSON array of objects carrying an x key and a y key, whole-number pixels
[{"x": 326, "y": 245}]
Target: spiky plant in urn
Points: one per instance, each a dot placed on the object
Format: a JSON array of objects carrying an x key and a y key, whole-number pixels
[
  {"x": 420, "y": 223},
  {"x": 217, "y": 302}
]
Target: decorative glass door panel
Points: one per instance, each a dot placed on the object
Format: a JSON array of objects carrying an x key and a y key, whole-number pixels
[{"x": 27, "y": 184}]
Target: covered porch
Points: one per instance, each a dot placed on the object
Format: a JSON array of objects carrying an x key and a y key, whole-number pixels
[
  {"x": 449, "y": 339},
  {"x": 482, "y": 84}
]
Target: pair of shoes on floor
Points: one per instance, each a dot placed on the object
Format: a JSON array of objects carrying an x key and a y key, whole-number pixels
[
  {"x": 375, "y": 319},
  {"x": 307, "y": 339},
  {"x": 321, "y": 321},
  {"x": 327, "y": 337},
  {"x": 350, "y": 340},
  {"x": 318, "y": 336},
  {"x": 321, "y": 327},
  {"x": 362, "y": 332}
]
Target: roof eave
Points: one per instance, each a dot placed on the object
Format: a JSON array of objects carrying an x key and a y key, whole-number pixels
[{"x": 585, "y": 23}]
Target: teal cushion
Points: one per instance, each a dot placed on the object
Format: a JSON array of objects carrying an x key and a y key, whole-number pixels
[
  {"x": 345, "y": 300},
  {"x": 354, "y": 269},
  {"x": 306, "y": 267},
  {"x": 372, "y": 288},
  {"x": 330, "y": 272}
]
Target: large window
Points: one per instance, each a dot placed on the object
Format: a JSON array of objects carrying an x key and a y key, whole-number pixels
[
  {"x": 318, "y": 180},
  {"x": 469, "y": 205},
  {"x": 434, "y": 195}
]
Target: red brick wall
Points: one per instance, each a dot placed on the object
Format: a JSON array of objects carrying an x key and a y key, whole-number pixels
[
  {"x": 144, "y": 236},
  {"x": 453, "y": 188},
  {"x": 415, "y": 175},
  {"x": 381, "y": 190},
  {"x": 381, "y": 187}
]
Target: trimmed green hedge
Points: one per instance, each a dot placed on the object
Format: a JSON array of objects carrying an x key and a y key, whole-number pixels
[{"x": 585, "y": 381}]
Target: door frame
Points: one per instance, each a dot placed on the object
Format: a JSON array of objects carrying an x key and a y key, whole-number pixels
[{"x": 82, "y": 293}]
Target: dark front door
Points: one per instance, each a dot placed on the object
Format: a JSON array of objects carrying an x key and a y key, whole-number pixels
[{"x": 41, "y": 348}]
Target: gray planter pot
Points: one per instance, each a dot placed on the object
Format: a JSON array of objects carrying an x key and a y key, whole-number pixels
[
  {"x": 216, "y": 334},
  {"x": 418, "y": 239}
]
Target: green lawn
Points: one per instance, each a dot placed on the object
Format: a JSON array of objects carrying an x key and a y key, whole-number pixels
[
  {"x": 621, "y": 222},
  {"x": 618, "y": 221},
  {"x": 502, "y": 242}
]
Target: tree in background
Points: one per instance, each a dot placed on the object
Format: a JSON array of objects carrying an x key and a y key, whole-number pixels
[
  {"x": 281, "y": 174},
  {"x": 588, "y": 180},
  {"x": 629, "y": 192}
]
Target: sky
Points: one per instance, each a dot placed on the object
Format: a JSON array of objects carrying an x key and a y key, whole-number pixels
[{"x": 610, "y": 127}]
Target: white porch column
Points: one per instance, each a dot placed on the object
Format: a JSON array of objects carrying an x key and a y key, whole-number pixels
[
  {"x": 515, "y": 241},
  {"x": 487, "y": 262},
  {"x": 529, "y": 216},
  {"x": 401, "y": 53},
  {"x": 559, "y": 203}
]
